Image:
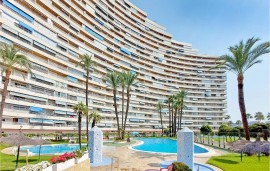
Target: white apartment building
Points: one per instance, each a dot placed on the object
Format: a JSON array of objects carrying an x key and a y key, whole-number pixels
[{"x": 53, "y": 33}]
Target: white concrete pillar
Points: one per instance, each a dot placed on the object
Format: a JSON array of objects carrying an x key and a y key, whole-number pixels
[
  {"x": 185, "y": 147},
  {"x": 95, "y": 144}
]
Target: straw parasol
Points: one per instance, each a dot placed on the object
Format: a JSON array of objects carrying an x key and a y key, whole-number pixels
[
  {"x": 41, "y": 141},
  {"x": 18, "y": 140}
]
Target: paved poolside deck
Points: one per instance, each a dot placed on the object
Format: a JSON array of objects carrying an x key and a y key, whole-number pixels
[{"x": 127, "y": 159}]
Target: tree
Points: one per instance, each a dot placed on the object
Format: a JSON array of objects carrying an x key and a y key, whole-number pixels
[
  {"x": 206, "y": 129},
  {"x": 10, "y": 59},
  {"x": 249, "y": 116},
  {"x": 181, "y": 95},
  {"x": 176, "y": 106},
  {"x": 113, "y": 81},
  {"x": 159, "y": 107},
  {"x": 227, "y": 117},
  {"x": 96, "y": 118},
  {"x": 170, "y": 101},
  {"x": 123, "y": 76},
  {"x": 238, "y": 122},
  {"x": 259, "y": 116},
  {"x": 230, "y": 123},
  {"x": 130, "y": 81},
  {"x": 81, "y": 110},
  {"x": 243, "y": 56},
  {"x": 268, "y": 116},
  {"x": 87, "y": 64}
]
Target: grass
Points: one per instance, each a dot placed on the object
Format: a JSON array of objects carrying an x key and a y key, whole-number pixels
[
  {"x": 233, "y": 161},
  {"x": 8, "y": 162}
]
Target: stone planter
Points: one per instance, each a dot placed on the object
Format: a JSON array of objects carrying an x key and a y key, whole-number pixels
[
  {"x": 79, "y": 160},
  {"x": 64, "y": 165}
]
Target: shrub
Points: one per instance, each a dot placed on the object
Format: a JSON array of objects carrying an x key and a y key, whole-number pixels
[
  {"x": 179, "y": 166},
  {"x": 62, "y": 158},
  {"x": 78, "y": 153},
  {"x": 265, "y": 149},
  {"x": 206, "y": 129}
]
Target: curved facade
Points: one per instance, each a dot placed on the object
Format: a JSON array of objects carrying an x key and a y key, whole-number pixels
[{"x": 52, "y": 34}]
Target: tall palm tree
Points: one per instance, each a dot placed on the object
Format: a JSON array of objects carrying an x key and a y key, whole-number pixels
[
  {"x": 227, "y": 117},
  {"x": 181, "y": 95},
  {"x": 130, "y": 81},
  {"x": 176, "y": 106},
  {"x": 96, "y": 118},
  {"x": 159, "y": 107},
  {"x": 113, "y": 80},
  {"x": 238, "y": 122},
  {"x": 170, "y": 103},
  {"x": 10, "y": 59},
  {"x": 123, "y": 76},
  {"x": 243, "y": 56},
  {"x": 259, "y": 116},
  {"x": 87, "y": 64},
  {"x": 249, "y": 116},
  {"x": 81, "y": 110}
]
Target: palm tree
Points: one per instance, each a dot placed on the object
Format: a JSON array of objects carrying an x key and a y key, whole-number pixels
[
  {"x": 87, "y": 63},
  {"x": 259, "y": 116},
  {"x": 227, "y": 117},
  {"x": 159, "y": 107},
  {"x": 96, "y": 118},
  {"x": 181, "y": 95},
  {"x": 243, "y": 57},
  {"x": 113, "y": 80},
  {"x": 130, "y": 81},
  {"x": 10, "y": 59},
  {"x": 249, "y": 116},
  {"x": 122, "y": 76},
  {"x": 176, "y": 106},
  {"x": 268, "y": 116},
  {"x": 238, "y": 122},
  {"x": 80, "y": 109},
  {"x": 230, "y": 123},
  {"x": 170, "y": 102}
]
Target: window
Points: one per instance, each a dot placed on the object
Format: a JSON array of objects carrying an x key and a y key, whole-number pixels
[
  {"x": 25, "y": 27},
  {"x": 125, "y": 51},
  {"x": 90, "y": 31},
  {"x": 19, "y": 11}
]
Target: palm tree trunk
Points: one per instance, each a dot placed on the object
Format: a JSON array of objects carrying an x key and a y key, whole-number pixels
[
  {"x": 93, "y": 122},
  {"x": 169, "y": 117},
  {"x": 116, "y": 112},
  {"x": 86, "y": 102},
  {"x": 161, "y": 121},
  {"x": 181, "y": 115},
  {"x": 242, "y": 107},
  {"x": 175, "y": 114},
  {"x": 79, "y": 131},
  {"x": 123, "y": 101},
  {"x": 127, "y": 107},
  {"x": 178, "y": 120},
  {"x": 172, "y": 128},
  {"x": 4, "y": 95}
]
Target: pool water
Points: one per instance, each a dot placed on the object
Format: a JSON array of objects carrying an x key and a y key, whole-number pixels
[
  {"x": 163, "y": 145},
  {"x": 53, "y": 149}
]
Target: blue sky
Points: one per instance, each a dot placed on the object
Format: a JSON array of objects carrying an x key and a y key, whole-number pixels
[{"x": 211, "y": 26}]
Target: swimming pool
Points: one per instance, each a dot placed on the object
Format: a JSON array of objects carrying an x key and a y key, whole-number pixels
[
  {"x": 53, "y": 149},
  {"x": 163, "y": 145}
]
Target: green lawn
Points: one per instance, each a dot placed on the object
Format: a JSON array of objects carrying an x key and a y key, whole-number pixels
[
  {"x": 230, "y": 162},
  {"x": 8, "y": 162}
]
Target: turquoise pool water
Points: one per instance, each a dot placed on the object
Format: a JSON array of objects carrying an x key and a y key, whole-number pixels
[
  {"x": 163, "y": 145},
  {"x": 53, "y": 149}
]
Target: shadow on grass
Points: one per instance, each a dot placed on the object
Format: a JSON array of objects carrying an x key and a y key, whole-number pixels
[{"x": 225, "y": 161}]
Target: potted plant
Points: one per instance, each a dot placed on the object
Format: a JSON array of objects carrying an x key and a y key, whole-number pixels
[
  {"x": 63, "y": 161},
  {"x": 80, "y": 155},
  {"x": 179, "y": 166}
]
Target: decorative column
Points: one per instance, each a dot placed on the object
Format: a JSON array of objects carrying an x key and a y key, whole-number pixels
[
  {"x": 185, "y": 147},
  {"x": 95, "y": 144}
]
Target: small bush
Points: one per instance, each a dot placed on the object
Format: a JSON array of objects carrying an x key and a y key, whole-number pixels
[{"x": 179, "y": 166}]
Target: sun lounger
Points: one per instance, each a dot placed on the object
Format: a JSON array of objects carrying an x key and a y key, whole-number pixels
[{"x": 25, "y": 153}]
